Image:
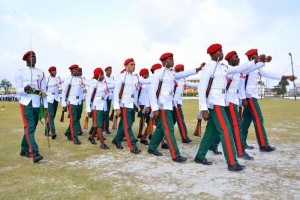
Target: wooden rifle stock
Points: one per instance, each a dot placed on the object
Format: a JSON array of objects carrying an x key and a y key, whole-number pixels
[
  {"x": 115, "y": 123},
  {"x": 150, "y": 126},
  {"x": 62, "y": 118},
  {"x": 241, "y": 112},
  {"x": 86, "y": 122},
  {"x": 158, "y": 88},
  {"x": 197, "y": 131},
  {"x": 211, "y": 79},
  {"x": 111, "y": 117},
  {"x": 121, "y": 91}
]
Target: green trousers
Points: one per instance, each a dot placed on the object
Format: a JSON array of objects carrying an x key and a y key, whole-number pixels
[
  {"x": 73, "y": 128},
  {"x": 253, "y": 113},
  {"x": 218, "y": 126},
  {"x": 125, "y": 128},
  {"x": 165, "y": 128},
  {"x": 30, "y": 117},
  {"x": 106, "y": 115},
  {"x": 52, "y": 108},
  {"x": 79, "y": 117},
  {"x": 179, "y": 119}
]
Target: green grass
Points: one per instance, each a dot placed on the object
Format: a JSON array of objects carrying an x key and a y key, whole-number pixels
[{"x": 59, "y": 177}]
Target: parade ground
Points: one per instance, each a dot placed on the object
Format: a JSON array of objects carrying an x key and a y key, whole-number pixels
[{"x": 85, "y": 171}]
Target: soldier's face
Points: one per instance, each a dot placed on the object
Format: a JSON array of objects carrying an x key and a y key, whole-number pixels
[
  {"x": 130, "y": 67},
  {"x": 253, "y": 57},
  {"x": 31, "y": 60},
  {"x": 169, "y": 62},
  {"x": 234, "y": 60},
  {"x": 53, "y": 73},
  {"x": 219, "y": 54},
  {"x": 108, "y": 72},
  {"x": 146, "y": 76},
  {"x": 101, "y": 78}
]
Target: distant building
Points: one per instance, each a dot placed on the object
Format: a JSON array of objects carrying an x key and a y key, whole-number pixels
[{"x": 291, "y": 92}]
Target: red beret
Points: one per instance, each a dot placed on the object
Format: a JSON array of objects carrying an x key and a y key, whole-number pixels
[
  {"x": 214, "y": 48},
  {"x": 51, "y": 68},
  {"x": 129, "y": 60},
  {"x": 27, "y": 54},
  {"x": 156, "y": 66},
  {"x": 251, "y": 52},
  {"x": 98, "y": 72},
  {"x": 144, "y": 71},
  {"x": 107, "y": 68},
  {"x": 73, "y": 66},
  {"x": 165, "y": 56},
  {"x": 179, "y": 66},
  {"x": 123, "y": 71},
  {"x": 229, "y": 55}
]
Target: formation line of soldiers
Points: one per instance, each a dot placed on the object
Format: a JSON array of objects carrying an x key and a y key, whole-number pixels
[{"x": 157, "y": 99}]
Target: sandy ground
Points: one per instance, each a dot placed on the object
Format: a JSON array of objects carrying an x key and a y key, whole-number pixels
[{"x": 274, "y": 175}]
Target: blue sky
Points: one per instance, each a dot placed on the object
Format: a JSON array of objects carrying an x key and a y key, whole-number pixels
[{"x": 101, "y": 33}]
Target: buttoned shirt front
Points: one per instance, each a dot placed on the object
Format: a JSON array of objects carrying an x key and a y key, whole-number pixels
[
  {"x": 35, "y": 78},
  {"x": 168, "y": 76},
  {"x": 99, "y": 101},
  {"x": 130, "y": 92},
  {"x": 110, "y": 80},
  {"x": 53, "y": 84},
  {"x": 76, "y": 91},
  {"x": 219, "y": 72}
]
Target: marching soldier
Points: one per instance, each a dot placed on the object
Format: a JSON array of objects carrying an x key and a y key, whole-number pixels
[
  {"x": 84, "y": 83},
  {"x": 110, "y": 80},
  {"x": 178, "y": 116},
  {"x": 96, "y": 105},
  {"x": 252, "y": 112},
  {"x": 52, "y": 87},
  {"x": 125, "y": 96},
  {"x": 161, "y": 96},
  {"x": 143, "y": 103},
  {"x": 71, "y": 100},
  {"x": 30, "y": 86},
  {"x": 212, "y": 90}
]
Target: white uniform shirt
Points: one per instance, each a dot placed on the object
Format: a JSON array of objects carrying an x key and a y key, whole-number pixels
[
  {"x": 254, "y": 77},
  {"x": 182, "y": 83},
  {"x": 110, "y": 80},
  {"x": 36, "y": 79},
  {"x": 168, "y": 77},
  {"x": 99, "y": 102},
  {"x": 235, "y": 90},
  {"x": 76, "y": 91},
  {"x": 132, "y": 84},
  {"x": 217, "y": 92},
  {"x": 53, "y": 84},
  {"x": 144, "y": 96}
]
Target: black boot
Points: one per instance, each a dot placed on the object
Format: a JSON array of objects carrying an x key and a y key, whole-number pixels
[
  {"x": 37, "y": 158},
  {"x": 76, "y": 141},
  {"x": 267, "y": 149},
  {"x": 92, "y": 140},
  {"x": 235, "y": 168}
]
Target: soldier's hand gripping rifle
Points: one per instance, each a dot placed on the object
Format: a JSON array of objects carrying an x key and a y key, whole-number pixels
[
  {"x": 62, "y": 118},
  {"x": 197, "y": 131}
]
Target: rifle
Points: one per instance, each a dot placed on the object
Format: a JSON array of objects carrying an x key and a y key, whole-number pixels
[
  {"x": 160, "y": 83},
  {"x": 111, "y": 117},
  {"x": 150, "y": 126},
  {"x": 62, "y": 118},
  {"x": 115, "y": 123},
  {"x": 86, "y": 123},
  {"x": 241, "y": 112},
  {"x": 197, "y": 131},
  {"x": 211, "y": 79}
]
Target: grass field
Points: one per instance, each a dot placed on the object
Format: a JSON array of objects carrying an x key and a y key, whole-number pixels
[{"x": 88, "y": 172}]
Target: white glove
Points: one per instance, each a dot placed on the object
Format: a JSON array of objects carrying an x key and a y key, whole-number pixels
[{"x": 200, "y": 115}]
